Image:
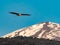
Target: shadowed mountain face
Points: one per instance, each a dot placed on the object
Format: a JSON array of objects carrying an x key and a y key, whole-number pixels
[
  {"x": 20, "y": 40},
  {"x": 46, "y": 30}
]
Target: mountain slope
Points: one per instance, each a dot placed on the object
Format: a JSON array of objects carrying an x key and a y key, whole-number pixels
[
  {"x": 47, "y": 30},
  {"x": 20, "y": 40}
]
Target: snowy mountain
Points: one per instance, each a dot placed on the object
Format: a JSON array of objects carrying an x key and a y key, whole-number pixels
[{"x": 47, "y": 30}]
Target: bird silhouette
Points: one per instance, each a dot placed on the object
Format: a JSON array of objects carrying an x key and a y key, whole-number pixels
[{"x": 18, "y": 14}]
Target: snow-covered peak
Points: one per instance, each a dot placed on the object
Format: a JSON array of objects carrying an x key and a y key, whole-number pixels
[{"x": 47, "y": 30}]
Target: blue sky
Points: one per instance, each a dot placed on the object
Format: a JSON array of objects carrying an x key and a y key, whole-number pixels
[{"x": 40, "y": 10}]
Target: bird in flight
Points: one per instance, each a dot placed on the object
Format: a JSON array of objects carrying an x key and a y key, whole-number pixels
[{"x": 18, "y": 14}]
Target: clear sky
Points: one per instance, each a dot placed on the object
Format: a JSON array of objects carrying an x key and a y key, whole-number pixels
[{"x": 40, "y": 10}]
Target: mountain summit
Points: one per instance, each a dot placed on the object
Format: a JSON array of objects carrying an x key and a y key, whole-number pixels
[{"x": 47, "y": 30}]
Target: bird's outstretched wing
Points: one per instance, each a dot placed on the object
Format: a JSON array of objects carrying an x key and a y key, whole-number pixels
[
  {"x": 15, "y": 13},
  {"x": 25, "y": 14}
]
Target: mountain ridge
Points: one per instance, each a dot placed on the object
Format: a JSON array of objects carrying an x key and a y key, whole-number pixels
[{"x": 47, "y": 30}]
